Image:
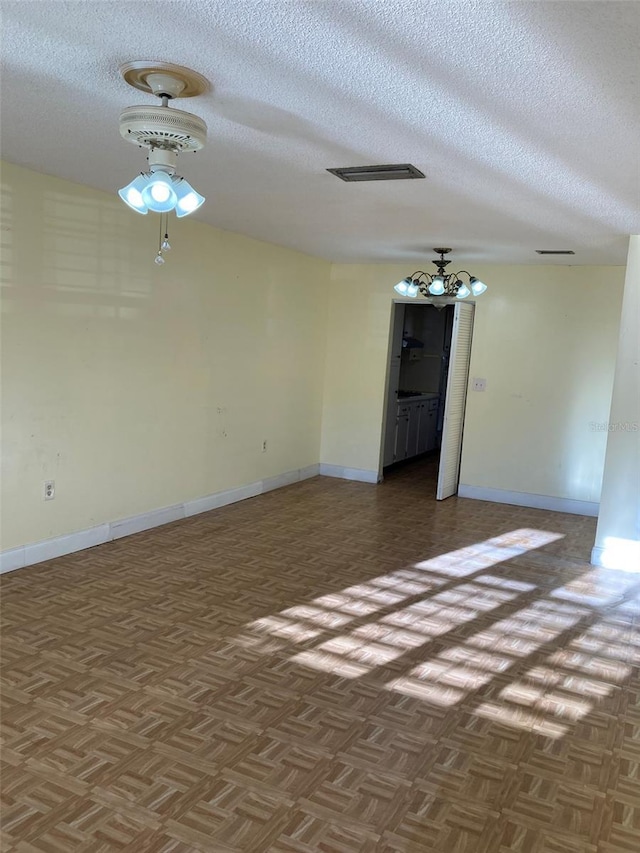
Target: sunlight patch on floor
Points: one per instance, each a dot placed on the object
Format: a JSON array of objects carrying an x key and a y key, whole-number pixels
[
  {"x": 327, "y": 613},
  {"x": 378, "y": 643},
  {"x": 520, "y": 718},
  {"x": 474, "y": 558},
  {"x": 413, "y": 608}
]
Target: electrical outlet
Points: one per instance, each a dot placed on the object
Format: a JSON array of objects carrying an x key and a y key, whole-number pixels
[
  {"x": 49, "y": 491},
  {"x": 264, "y": 446},
  {"x": 479, "y": 384}
]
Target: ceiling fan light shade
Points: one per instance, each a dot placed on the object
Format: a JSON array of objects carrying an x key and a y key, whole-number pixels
[
  {"x": 436, "y": 288},
  {"x": 402, "y": 287},
  {"x": 188, "y": 199},
  {"x": 159, "y": 194},
  {"x": 477, "y": 286},
  {"x": 132, "y": 194}
]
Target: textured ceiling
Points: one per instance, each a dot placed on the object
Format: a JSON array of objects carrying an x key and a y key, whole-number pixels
[{"x": 524, "y": 117}]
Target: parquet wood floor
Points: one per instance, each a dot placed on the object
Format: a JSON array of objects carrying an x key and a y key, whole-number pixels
[{"x": 329, "y": 668}]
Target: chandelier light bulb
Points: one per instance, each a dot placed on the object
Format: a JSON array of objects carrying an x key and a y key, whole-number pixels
[
  {"x": 437, "y": 286},
  {"x": 402, "y": 287},
  {"x": 463, "y": 292},
  {"x": 412, "y": 290},
  {"x": 477, "y": 286}
]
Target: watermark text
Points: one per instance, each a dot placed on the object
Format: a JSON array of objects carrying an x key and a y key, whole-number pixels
[{"x": 614, "y": 426}]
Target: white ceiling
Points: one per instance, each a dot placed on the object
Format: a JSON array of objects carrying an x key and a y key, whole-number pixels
[{"x": 524, "y": 116}]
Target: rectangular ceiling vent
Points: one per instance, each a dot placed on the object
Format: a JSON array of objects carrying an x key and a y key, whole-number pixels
[
  {"x": 392, "y": 172},
  {"x": 555, "y": 252}
]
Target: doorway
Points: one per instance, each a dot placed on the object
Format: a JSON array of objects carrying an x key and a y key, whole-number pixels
[{"x": 426, "y": 389}]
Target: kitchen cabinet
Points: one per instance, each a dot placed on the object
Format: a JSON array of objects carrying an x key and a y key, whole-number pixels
[
  {"x": 415, "y": 429},
  {"x": 428, "y": 438},
  {"x": 423, "y": 430},
  {"x": 402, "y": 433}
]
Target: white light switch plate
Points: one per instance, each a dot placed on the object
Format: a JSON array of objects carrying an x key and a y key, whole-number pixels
[{"x": 479, "y": 384}]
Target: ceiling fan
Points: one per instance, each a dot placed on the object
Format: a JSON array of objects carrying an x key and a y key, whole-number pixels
[{"x": 166, "y": 133}]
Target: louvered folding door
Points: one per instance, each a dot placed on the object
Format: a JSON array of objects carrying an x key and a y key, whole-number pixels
[{"x": 457, "y": 381}]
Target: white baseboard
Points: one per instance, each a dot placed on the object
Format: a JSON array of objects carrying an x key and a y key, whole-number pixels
[
  {"x": 12, "y": 558},
  {"x": 215, "y": 501},
  {"x": 598, "y": 556},
  {"x": 279, "y": 481},
  {"x": 58, "y": 546},
  {"x": 501, "y": 496},
  {"x": 359, "y": 474},
  {"x": 309, "y": 471},
  {"x": 145, "y": 521}
]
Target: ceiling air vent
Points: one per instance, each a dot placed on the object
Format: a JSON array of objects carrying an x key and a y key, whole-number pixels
[
  {"x": 555, "y": 252},
  {"x": 392, "y": 172}
]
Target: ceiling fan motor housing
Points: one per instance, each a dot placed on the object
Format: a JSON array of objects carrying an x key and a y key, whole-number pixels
[{"x": 161, "y": 127}]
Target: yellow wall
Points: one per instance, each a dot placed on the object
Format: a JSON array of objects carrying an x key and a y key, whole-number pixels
[
  {"x": 135, "y": 386},
  {"x": 545, "y": 339},
  {"x": 355, "y": 366}
]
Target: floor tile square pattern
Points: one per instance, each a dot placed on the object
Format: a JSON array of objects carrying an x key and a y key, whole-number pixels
[{"x": 332, "y": 667}]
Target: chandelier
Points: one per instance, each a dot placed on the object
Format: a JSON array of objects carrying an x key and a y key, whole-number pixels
[
  {"x": 440, "y": 283},
  {"x": 165, "y": 133}
]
